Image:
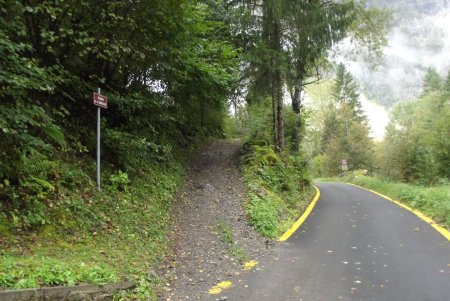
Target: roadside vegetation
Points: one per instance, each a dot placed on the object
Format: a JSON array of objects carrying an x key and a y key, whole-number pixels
[
  {"x": 167, "y": 68},
  {"x": 170, "y": 69},
  {"x": 94, "y": 237},
  {"x": 416, "y": 148},
  {"x": 410, "y": 165},
  {"x": 432, "y": 201},
  {"x": 227, "y": 237},
  {"x": 278, "y": 188},
  {"x": 286, "y": 52}
]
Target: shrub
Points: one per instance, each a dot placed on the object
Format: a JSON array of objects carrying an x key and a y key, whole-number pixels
[{"x": 278, "y": 187}]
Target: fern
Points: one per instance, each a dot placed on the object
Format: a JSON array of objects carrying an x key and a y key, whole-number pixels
[
  {"x": 55, "y": 133},
  {"x": 261, "y": 156},
  {"x": 46, "y": 185},
  {"x": 37, "y": 164}
]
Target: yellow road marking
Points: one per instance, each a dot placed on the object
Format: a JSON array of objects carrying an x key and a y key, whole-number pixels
[
  {"x": 249, "y": 265},
  {"x": 302, "y": 218},
  {"x": 444, "y": 232},
  {"x": 220, "y": 287}
]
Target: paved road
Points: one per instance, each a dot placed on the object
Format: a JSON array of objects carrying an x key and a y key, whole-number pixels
[{"x": 354, "y": 246}]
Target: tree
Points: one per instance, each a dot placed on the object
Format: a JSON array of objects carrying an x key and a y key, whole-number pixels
[
  {"x": 417, "y": 148},
  {"x": 345, "y": 92},
  {"x": 315, "y": 26},
  {"x": 167, "y": 67},
  {"x": 345, "y": 132},
  {"x": 432, "y": 81},
  {"x": 290, "y": 37},
  {"x": 288, "y": 45}
]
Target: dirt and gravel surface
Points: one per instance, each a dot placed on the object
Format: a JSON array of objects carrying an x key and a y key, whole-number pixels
[{"x": 210, "y": 200}]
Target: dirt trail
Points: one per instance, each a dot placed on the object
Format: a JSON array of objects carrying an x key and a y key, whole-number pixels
[{"x": 211, "y": 197}]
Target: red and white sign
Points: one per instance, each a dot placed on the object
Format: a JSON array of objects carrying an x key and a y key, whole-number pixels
[
  {"x": 344, "y": 162},
  {"x": 100, "y": 100}
]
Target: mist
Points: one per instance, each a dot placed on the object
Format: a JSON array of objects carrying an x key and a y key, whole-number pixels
[{"x": 419, "y": 39}]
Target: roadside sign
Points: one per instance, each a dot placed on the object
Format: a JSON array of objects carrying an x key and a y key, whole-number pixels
[
  {"x": 100, "y": 100},
  {"x": 344, "y": 164}
]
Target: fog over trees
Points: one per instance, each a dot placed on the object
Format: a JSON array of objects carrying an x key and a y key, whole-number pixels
[{"x": 419, "y": 38}]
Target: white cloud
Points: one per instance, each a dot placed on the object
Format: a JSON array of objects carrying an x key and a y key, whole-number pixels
[{"x": 378, "y": 117}]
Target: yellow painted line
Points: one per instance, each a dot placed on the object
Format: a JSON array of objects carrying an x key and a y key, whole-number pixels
[
  {"x": 220, "y": 287},
  {"x": 444, "y": 232},
  {"x": 249, "y": 265},
  {"x": 302, "y": 218}
]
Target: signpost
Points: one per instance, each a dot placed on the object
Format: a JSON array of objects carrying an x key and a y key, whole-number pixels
[
  {"x": 344, "y": 164},
  {"x": 100, "y": 101}
]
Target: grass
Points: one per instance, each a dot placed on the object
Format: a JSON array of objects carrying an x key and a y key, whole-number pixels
[
  {"x": 226, "y": 233},
  {"x": 278, "y": 189},
  {"x": 227, "y": 237},
  {"x": 34, "y": 272},
  {"x": 92, "y": 237},
  {"x": 432, "y": 201}
]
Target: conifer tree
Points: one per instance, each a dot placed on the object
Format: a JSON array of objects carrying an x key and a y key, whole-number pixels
[{"x": 346, "y": 132}]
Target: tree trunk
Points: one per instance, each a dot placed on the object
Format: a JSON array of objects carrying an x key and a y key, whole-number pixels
[
  {"x": 202, "y": 112},
  {"x": 280, "y": 113},
  {"x": 296, "y": 104},
  {"x": 274, "y": 112},
  {"x": 277, "y": 80}
]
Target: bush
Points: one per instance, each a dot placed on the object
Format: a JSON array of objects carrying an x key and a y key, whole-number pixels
[{"x": 278, "y": 187}]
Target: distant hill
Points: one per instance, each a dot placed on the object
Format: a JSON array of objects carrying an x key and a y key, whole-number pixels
[{"x": 418, "y": 39}]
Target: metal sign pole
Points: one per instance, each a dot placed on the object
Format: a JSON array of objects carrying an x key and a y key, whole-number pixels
[{"x": 98, "y": 144}]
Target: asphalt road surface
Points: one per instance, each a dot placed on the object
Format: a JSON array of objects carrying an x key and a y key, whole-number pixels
[{"x": 355, "y": 245}]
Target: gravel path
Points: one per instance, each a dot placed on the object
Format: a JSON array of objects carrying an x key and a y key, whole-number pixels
[{"x": 210, "y": 201}]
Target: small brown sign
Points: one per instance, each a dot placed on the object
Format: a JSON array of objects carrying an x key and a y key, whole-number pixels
[{"x": 100, "y": 100}]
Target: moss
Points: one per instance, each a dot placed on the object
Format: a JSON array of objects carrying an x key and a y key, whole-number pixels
[{"x": 278, "y": 188}]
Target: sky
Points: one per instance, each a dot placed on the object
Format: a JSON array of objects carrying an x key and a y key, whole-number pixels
[{"x": 378, "y": 117}]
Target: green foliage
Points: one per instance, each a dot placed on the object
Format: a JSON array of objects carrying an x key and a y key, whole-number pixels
[
  {"x": 232, "y": 128},
  {"x": 278, "y": 188},
  {"x": 17, "y": 273},
  {"x": 432, "y": 201},
  {"x": 345, "y": 92},
  {"x": 370, "y": 28},
  {"x": 168, "y": 68},
  {"x": 165, "y": 69},
  {"x": 256, "y": 121},
  {"x": 260, "y": 156},
  {"x": 284, "y": 44},
  {"x": 226, "y": 233},
  {"x": 93, "y": 237},
  {"x": 432, "y": 81},
  {"x": 119, "y": 181},
  {"x": 24, "y": 130},
  {"x": 342, "y": 129},
  {"x": 263, "y": 215},
  {"x": 416, "y": 147},
  {"x": 227, "y": 237},
  {"x": 143, "y": 291}
]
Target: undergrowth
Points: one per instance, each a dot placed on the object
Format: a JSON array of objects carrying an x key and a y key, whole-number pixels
[
  {"x": 57, "y": 229},
  {"x": 278, "y": 188},
  {"x": 432, "y": 201},
  {"x": 33, "y": 272}
]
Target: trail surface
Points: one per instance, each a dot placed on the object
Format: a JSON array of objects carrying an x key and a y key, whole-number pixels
[
  {"x": 208, "y": 205},
  {"x": 354, "y": 246}
]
